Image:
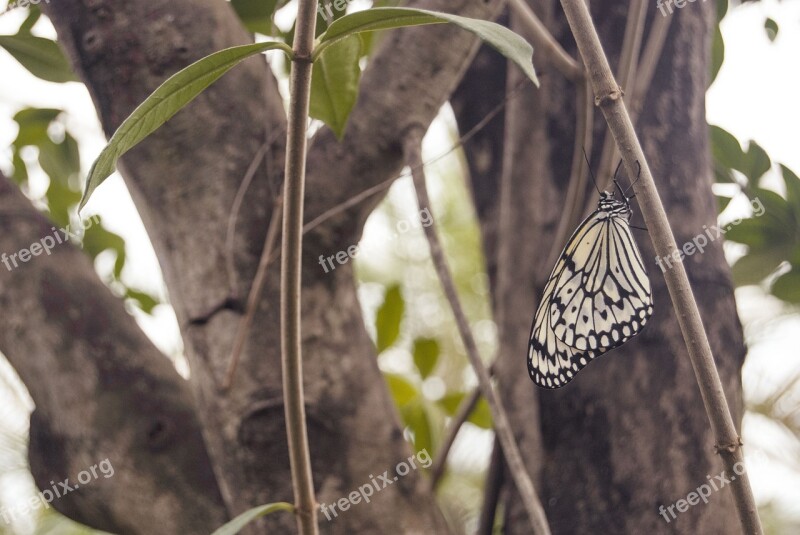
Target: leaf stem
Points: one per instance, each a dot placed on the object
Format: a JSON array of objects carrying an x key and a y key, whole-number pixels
[
  {"x": 609, "y": 98},
  {"x": 291, "y": 269}
]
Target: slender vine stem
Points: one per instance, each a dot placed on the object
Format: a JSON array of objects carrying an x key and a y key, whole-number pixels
[
  {"x": 465, "y": 409},
  {"x": 291, "y": 268},
  {"x": 502, "y": 426},
  {"x": 626, "y": 74},
  {"x": 609, "y": 97},
  {"x": 543, "y": 39}
]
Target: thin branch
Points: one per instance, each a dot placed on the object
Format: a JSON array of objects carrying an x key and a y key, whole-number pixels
[
  {"x": 626, "y": 73},
  {"x": 255, "y": 293},
  {"x": 465, "y": 409},
  {"x": 491, "y": 490},
  {"x": 502, "y": 426},
  {"x": 609, "y": 97},
  {"x": 576, "y": 190},
  {"x": 543, "y": 39},
  {"x": 291, "y": 268},
  {"x": 648, "y": 62}
]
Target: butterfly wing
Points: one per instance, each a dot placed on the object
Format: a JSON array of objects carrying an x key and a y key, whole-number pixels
[
  {"x": 602, "y": 297},
  {"x": 597, "y": 297}
]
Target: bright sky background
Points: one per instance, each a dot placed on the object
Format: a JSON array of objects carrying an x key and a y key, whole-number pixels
[{"x": 754, "y": 97}]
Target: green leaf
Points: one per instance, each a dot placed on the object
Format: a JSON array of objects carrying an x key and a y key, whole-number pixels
[
  {"x": 726, "y": 148},
  {"x": 787, "y": 287},
  {"x": 771, "y": 27},
  {"x": 451, "y": 402},
  {"x": 97, "y": 239},
  {"x": 717, "y": 54},
  {"x": 756, "y": 162},
  {"x": 235, "y": 526},
  {"x": 60, "y": 160},
  {"x": 775, "y": 211},
  {"x": 175, "y": 93},
  {"x": 722, "y": 9},
  {"x": 143, "y": 300},
  {"x": 40, "y": 56},
  {"x": 722, "y": 203},
  {"x": 403, "y": 391},
  {"x": 481, "y": 415},
  {"x": 760, "y": 233},
  {"x": 33, "y": 124},
  {"x": 33, "y": 17},
  {"x": 499, "y": 37},
  {"x": 722, "y": 174},
  {"x": 792, "y": 190},
  {"x": 334, "y": 84},
  {"x": 256, "y": 15},
  {"x": 757, "y": 265},
  {"x": 416, "y": 417},
  {"x": 60, "y": 201},
  {"x": 20, "y": 175},
  {"x": 388, "y": 318},
  {"x": 426, "y": 354}
]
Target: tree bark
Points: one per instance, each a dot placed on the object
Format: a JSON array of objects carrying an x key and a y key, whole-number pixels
[{"x": 102, "y": 391}]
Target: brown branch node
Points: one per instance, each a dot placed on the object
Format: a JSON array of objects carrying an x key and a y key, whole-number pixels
[
  {"x": 730, "y": 448},
  {"x": 608, "y": 98}
]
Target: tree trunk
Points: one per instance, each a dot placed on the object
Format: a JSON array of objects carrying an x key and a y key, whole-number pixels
[{"x": 629, "y": 434}]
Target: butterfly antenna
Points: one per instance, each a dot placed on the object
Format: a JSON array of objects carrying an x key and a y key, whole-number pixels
[
  {"x": 616, "y": 182},
  {"x": 638, "y": 176},
  {"x": 589, "y": 167}
]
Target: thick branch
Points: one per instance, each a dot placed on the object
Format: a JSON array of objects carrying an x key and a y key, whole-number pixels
[{"x": 102, "y": 390}]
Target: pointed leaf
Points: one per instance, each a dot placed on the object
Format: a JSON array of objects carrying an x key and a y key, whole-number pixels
[
  {"x": 403, "y": 391},
  {"x": 175, "y": 93},
  {"x": 499, "y": 37},
  {"x": 426, "y": 355},
  {"x": 256, "y": 15},
  {"x": 33, "y": 124},
  {"x": 388, "y": 318},
  {"x": 40, "y": 56},
  {"x": 334, "y": 83},
  {"x": 237, "y": 524},
  {"x": 726, "y": 148},
  {"x": 717, "y": 53},
  {"x": 771, "y": 27},
  {"x": 792, "y": 190},
  {"x": 756, "y": 162},
  {"x": 787, "y": 287}
]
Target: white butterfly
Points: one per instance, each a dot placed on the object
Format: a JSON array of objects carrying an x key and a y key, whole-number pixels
[{"x": 597, "y": 297}]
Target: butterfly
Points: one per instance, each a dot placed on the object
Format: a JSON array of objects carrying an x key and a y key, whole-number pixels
[{"x": 597, "y": 297}]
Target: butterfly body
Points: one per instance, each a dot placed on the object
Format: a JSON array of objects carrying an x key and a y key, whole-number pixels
[{"x": 597, "y": 297}]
